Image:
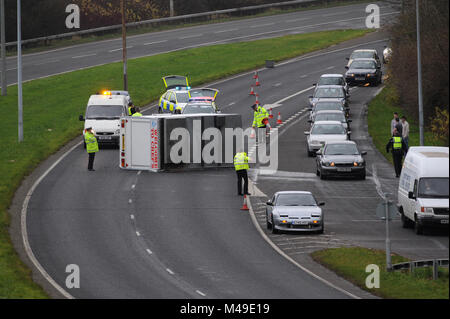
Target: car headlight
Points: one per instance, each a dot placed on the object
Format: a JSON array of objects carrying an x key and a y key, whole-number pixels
[
  {"x": 428, "y": 210},
  {"x": 358, "y": 164}
]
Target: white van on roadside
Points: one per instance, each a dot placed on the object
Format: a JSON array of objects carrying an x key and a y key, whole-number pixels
[
  {"x": 423, "y": 193},
  {"x": 103, "y": 114}
]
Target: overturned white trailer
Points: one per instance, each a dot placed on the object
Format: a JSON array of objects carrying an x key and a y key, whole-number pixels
[{"x": 161, "y": 142}]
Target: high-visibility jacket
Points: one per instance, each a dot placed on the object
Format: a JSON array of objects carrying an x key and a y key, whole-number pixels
[
  {"x": 130, "y": 110},
  {"x": 137, "y": 114},
  {"x": 241, "y": 161},
  {"x": 397, "y": 145},
  {"x": 91, "y": 143},
  {"x": 259, "y": 115}
]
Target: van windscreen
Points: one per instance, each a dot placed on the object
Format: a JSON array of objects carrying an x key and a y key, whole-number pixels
[
  {"x": 433, "y": 187},
  {"x": 96, "y": 112}
]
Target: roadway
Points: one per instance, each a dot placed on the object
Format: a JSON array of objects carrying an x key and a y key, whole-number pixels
[
  {"x": 145, "y": 235},
  {"x": 61, "y": 60}
]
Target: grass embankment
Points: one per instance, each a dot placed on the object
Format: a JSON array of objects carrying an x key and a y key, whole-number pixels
[
  {"x": 52, "y": 106},
  {"x": 351, "y": 263},
  {"x": 381, "y": 112}
]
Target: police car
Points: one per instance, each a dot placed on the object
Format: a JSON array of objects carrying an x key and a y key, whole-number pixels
[{"x": 176, "y": 96}]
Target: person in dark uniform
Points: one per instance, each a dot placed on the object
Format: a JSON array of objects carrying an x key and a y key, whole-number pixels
[{"x": 398, "y": 146}]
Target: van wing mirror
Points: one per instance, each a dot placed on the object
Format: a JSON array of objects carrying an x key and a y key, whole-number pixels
[{"x": 411, "y": 195}]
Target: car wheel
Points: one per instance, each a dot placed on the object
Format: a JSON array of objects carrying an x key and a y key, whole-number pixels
[
  {"x": 363, "y": 176},
  {"x": 418, "y": 229},
  {"x": 274, "y": 230},
  {"x": 268, "y": 225},
  {"x": 310, "y": 154},
  {"x": 322, "y": 176},
  {"x": 322, "y": 230},
  {"x": 406, "y": 223},
  {"x": 317, "y": 172}
]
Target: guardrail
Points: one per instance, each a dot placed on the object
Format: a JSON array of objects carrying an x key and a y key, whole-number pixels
[
  {"x": 183, "y": 18},
  {"x": 411, "y": 265}
]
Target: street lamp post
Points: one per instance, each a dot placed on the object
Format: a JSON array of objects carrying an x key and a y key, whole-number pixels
[
  {"x": 172, "y": 12},
  {"x": 124, "y": 47},
  {"x": 3, "y": 46},
  {"x": 19, "y": 70},
  {"x": 419, "y": 78}
]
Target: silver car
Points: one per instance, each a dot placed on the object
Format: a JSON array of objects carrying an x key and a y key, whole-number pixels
[
  {"x": 333, "y": 79},
  {"x": 323, "y": 132},
  {"x": 294, "y": 211},
  {"x": 320, "y": 116}
]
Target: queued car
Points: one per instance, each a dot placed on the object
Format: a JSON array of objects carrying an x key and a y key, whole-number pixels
[
  {"x": 177, "y": 94},
  {"x": 328, "y": 106},
  {"x": 321, "y": 116},
  {"x": 199, "y": 107},
  {"x": 324, "y": 132},
  {"x": 364, "y": 54},
  {"x": 329, "y": 93},
  {"x": 333, "y": 79},
  {"x": 294, "y": 211},
  {"x": 339, "y": 159},
  {"x": 387, "y": 53},
  {"x": 363, "y": 71}
]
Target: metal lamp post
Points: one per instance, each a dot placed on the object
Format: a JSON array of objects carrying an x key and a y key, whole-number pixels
[
  {"x": 419, "y": 78},
  {"x": 124, "y": 47},
  {"x": 19, "y": 70}
]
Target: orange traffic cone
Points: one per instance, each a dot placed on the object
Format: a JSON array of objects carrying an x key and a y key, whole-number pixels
[
  {"x": 257, "y": 98},
  {"x": 252, "y": 92},
  {"x": 270, "y": 114},
  {"x": 257, "y": 81},
  {"x": 244, "y": 205},
  {"x": 279, "y": 121},
  {"x": 255, "y": 76}
]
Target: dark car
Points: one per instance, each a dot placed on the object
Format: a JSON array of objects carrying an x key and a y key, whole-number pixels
[
  {"x": 363, "y": 71},
  {"x": 341, "y": 158}
]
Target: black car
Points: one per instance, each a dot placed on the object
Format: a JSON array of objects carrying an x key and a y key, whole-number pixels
[
  {"x": 341, "y": 158},
  {"x": 363, "y": 71}
]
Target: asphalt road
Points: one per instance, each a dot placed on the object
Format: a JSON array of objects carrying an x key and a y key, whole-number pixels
[
  {"x": 182, "y": 235},
  {"x": 77, "y": 57}
]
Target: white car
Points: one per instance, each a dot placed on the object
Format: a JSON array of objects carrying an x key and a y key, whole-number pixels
[
  {"x": 423, "y": 192},
  {"x": 323, "y": 132},
  {"x": 333, "y": 79}
]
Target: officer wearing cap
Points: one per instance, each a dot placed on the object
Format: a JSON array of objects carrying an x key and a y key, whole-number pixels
[
  {"x": 131, "y": 109},
  {"x": 260, "y": 116},
  {"x": 241, "y": 166},
  {"x": 91, "y": 147},
  {"x": 398, "y": 146}
]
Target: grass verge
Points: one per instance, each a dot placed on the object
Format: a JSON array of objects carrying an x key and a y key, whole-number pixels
[
  {"x": 52, "y": 106},
  {"x": 381, "y": 112},
  {"x": 351, "y": 262}
]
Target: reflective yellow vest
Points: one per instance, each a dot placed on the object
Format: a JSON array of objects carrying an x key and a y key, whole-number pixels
[
  {"x": 397, "y": 142},
  {"x": 91, "y": 143},
  {"x": 137, "y": 114},
  {"x": 259, "y": 115},
  {"x": 241, "y": 161}
]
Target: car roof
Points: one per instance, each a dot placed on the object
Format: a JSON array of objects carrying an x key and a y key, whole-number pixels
[
  {"x": 293, "y": 192},
  {"x": 330, "y": 112},
  {"x": 365, "y": 50},
  {"x": 327, "y": 123},
  {"x": 334, "y": 86},
  {"x": 331, "y": 75},
  {"x": 364, "y": 59},
  {"x": 200, "y": 103},
  {"x": 340, "y": 142}
]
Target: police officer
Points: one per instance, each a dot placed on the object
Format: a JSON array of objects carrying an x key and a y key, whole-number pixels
[
  {"x": 241, "y": 166},
  {"x": 260, "y": 116},
  {"x": 91, "y": 147},
  {"x": 131, "y": 109},
  {"x": 398, "y": 146},
  {"x": 137, "y": 112}
]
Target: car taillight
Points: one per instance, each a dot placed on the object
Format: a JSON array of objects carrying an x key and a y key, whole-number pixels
[
  {"x": 122, "y": 163},
  {"x": 123, "y": 123}
]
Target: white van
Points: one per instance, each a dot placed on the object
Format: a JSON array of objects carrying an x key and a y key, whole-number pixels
[
  {"x": 103, "y": 114},
  {"x": 423, "y": 190}
]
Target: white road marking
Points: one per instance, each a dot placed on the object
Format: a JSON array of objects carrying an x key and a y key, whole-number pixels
[
  {"x": 170, "y": 271},
  {"x": 149, "y": 251},
  {"x": 228, "y": 30},
  {"x": 132, "y": 216},
  {"x": 130, "y": 201},
  {"x": 200, "y": 293},
  {"x": 83, "y": 56},
  {"x": 138, "y": 234},
  {"x": 139, "y": 173},
  {"x": 191, "y": 36},
  {"x": 155, "y": 42},
  {"x": 133, "y": 186},
  {"x": 332, "y": 14},
  {"x": 119, "y": 49},
  {"x": 295, "y": 20},
  {"x": 46, "y": 62},
  {"x": 261, "y": 25}
]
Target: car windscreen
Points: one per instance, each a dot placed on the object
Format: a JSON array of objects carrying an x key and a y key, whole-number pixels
[
  {"x": 331, "y": 81},
  {"x": 436, "y": 187},
  {"x": 295, "y": 200},
  {"x": 363, "y": 65},
  {"x": 328, "y": 107},
  {"x": 104, "y": 112},
  {"x": 330, "y": 117},
  {"x": 341, "y": 149},
  {"x": 198, "y": 108},
  {"x": 329, "y": 93},
  {"x": 182, "y": 98},
  {"x": 323, "y": 129},
  {"x": 362, "y": 55}
]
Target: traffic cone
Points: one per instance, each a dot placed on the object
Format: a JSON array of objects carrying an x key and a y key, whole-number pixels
[
  {"x": 257, "y": 97},
  {"x": 252, "y": 92},
  {"x": 257, "y": 81},
  {"x": 244, "y": 205},
  {"x": 255, "y": 76},
  {"x": 270, "y": 114},
  {"x": 279, "y": 121},
  {"x": 253, "y": 134}
]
